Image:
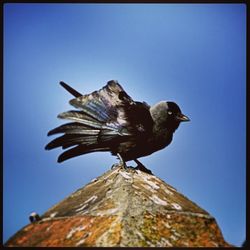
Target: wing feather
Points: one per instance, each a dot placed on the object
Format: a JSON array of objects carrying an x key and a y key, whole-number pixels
[{"x": 104, "y": 119}]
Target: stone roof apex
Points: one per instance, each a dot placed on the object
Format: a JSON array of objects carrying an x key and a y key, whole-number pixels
[{"x": 123, "y": 208}]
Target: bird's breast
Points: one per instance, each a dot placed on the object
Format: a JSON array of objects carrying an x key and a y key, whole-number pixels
[
  {"x": 145, "y": 146},
  {"x": 160, "y": 139}
]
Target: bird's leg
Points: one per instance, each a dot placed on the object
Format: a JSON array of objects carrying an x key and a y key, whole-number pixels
[
  {"x": 141, "y": 167},
  {"x": 122, "y": 163}
]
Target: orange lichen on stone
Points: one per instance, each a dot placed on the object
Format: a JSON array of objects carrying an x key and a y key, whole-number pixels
[
  {"x": 63, "y": 232},
  {"x": 190, "y": 230}
]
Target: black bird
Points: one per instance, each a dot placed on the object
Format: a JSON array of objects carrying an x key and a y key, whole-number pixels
[{"x": 110, "y": 120}]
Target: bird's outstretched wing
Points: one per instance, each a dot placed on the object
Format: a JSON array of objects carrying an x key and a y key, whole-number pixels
[{"x": 104, "y": 119}]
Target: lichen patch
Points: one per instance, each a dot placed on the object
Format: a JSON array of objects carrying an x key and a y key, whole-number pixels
[
  {"x": 82, "y": 207},
  {"x": 74, "y": 230},
  {"x": 125, "y": 175},
  {"x": 168, "y": 192},
  {"x": 52, "y": 215},
  {"x": 91, "y": 199},
  {"x": 157, "y": 200},
  {"x": 176, "y": 206}
]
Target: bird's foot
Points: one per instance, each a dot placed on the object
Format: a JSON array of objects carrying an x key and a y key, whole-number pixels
[
  {"x": 125, "y": 167},
  {"x": 114, "y": 165},
  {"x": 121, "y": 164},
  {"x": 118, "y": 165},
  {"x": 142, "y": 168}
]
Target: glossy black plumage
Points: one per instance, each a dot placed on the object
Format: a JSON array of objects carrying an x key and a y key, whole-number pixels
[{"x": 110, "y": 120}]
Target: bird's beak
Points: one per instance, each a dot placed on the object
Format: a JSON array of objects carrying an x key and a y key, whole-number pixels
[{"x": 182, "y": 118}]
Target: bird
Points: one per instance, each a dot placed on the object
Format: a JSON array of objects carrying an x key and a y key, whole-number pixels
[{"x": 109, "y": 120}]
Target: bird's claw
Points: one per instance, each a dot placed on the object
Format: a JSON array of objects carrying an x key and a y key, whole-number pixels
[
  {"x": 120, "y": 165},
  {"x": 142, "y": 168},
  {"x": 114, "y": 166}
]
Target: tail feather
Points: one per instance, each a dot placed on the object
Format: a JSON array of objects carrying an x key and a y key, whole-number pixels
[
  {"x": 79, "y": 150},
  {"x": 70, "y": 89},
  {"x": 94, "y": 127},
  {"x": 83, "y": 118},
  {"x": 69, "y": 145},
  {"x": 74, "y": 128},
  {"x": 62, "y": 140},
  {"x": 90, "y": 141},
  {"x": 68, "y": 140},
  {"x": 71, "y": 139},
  {"x": 80, "y": 117}
]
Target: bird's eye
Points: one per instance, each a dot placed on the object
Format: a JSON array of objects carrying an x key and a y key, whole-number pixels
[{"x": 170, "y": 112}]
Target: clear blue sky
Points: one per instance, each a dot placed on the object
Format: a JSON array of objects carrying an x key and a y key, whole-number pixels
[{"x": 193, "y": 54}]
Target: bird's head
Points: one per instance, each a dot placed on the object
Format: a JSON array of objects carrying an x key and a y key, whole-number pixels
[
  {"x": 174, "y": 113},
  {"x": 168, "y": 115},
  {"x": 174, "y": 116}
]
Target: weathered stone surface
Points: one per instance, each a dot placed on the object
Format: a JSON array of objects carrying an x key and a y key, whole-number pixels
[{"x": 123, "y": 208}]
